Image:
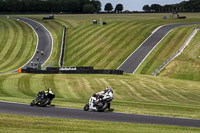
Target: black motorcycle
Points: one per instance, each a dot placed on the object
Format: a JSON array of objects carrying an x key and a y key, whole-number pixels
[{"x": 43, "y": 98}]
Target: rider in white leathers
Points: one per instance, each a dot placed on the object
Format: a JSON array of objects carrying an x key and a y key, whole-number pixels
[{"x": 107, "y": 94}]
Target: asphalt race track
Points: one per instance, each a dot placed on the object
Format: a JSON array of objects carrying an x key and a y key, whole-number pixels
[
  {"x": 24, "y": 109},
  {"x": 131, "y": 64},
  {"x": 45, "y": 42}
]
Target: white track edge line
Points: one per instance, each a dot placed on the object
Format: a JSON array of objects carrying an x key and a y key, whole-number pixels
[
  {"x": 153, "y": 32},
  {"x": 151, "y": 51}
]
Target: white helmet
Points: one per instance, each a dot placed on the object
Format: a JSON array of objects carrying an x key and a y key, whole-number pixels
[{"x": 107, "y": 88}]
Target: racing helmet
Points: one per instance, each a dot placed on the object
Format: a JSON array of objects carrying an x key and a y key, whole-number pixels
[
  {"x": 49, "y": 89},
  {"x": 107, "y": 89}
]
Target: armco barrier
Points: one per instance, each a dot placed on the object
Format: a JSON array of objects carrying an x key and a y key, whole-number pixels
[
  {"x": 178, "y": 52},
  {"x": 62, "y": 51},
  {"x": 77, "y": 71},
  {"x": 116, "y": 72}
]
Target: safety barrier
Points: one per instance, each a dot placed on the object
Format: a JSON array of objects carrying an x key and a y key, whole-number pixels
[
  {"x": 177, "y": 53},
  {"x": 62, "y": 47},
  {"x": 72, "y": 70}
]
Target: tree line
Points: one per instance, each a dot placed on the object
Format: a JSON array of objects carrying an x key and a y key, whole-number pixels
[
  {"x": 184, "y": 6},
  {"x": 65, "y": 6}
]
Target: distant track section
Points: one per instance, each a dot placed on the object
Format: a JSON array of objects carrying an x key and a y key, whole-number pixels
[
  {"x": 44, "y": 43},
  {"x": 23, "y": 109},
  {"x": 131, "y": 64}
]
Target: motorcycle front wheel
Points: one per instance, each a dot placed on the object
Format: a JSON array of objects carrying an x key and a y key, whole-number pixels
[
  {"x": 32, "y": 103},
  {"x": 86, "y": 107}
]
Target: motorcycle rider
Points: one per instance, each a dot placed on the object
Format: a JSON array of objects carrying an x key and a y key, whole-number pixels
[
  {"x": 49, "y": 90},
  {"x": 105, "y": 94},
  {"x": 41, "y": 94}
]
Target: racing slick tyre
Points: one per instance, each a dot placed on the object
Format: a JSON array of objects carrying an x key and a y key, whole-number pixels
[
  {"x": 86, "y": 107},
  {"x": 45, "y": 102},
  {"x": 32, "y": 103},
  {"x": 102, "y": 108}
]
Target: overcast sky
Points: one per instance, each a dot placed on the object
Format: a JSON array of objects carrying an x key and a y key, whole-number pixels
[{"x": 137, "y": 5}]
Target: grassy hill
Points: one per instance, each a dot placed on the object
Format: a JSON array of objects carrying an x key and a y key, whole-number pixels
[
  {"x": 187, "y": 65},
  {"x": 100, "y": 46},
  {"x": 165, "y": 49},
  {"x": 17, "y": 44},
  {"x": 108, "y": 46}
]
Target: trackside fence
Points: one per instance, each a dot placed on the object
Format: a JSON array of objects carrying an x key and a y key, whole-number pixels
[
  {"x": 71, "y": 70},
  {"x": 62, "y": 47},
  {"x": 178, "y": 52}
]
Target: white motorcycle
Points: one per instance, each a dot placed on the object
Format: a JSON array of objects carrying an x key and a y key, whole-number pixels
[{"x": 98, "y": 103}]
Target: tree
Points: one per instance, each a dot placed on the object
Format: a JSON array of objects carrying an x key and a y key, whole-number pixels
[
  {"x": 146, "y": 8},
  {"x": 119, "y": 8},
  {"x": 51, "y": 6},
  {"x": 97, "y": 5},
  {"x": 108, "y": 7},
  {"x": 156, "y": 7},
  {"x": 88, "y": 8}
]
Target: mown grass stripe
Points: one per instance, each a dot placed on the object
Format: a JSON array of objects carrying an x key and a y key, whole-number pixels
[
  {"x": 16, "y": 51},
  {"x": 7, "y": 41},
  {"x": 77, "y": 43},
  {"x": 169, "y": 45},
  {"x": 81, "y": 34},
  {"x": 132, "y": 91},
  {"x": 91, "y": 44},
  {"x": 70, "y": 88},
  {"x": 64, "y": 22},
  {"x": 74, "y": 53},
  {"x": 5, "y": 34},
  {"x": 64, "y": 88},
  {"x": 2, "y": 91},
  {"x": 127, "y": 45},
  {"x": 11, "y": 44},
  {"x": 11, "y": 87},
  {"x": 29, "y": 44},
  {"x": 115, "y": 45},
  {"x": 36, "y": 83},
  {"x": 24, "y": 85},
  {"x": 100, "y": 46},
  {"x": 87, "y": 85},
  {"x": 2, "y": 33},
  {"x": 25, "y": 45},
  {"x": 171, "y": 94}
]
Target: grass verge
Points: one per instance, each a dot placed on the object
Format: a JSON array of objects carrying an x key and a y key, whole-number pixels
[
  {"x": 132, "y": 93},
  {"x": 24, "y": 124}
]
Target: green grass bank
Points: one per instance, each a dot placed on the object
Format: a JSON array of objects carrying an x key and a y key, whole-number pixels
[
  {"x": 17, "y": 44},
  {"x": 24, "y": 124},
  {"x": 132, "y": 93}
]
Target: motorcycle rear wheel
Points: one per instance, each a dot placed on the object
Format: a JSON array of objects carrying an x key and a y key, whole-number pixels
[
  {"x": 103, "y": 108},
  {"x": 45, "y": 102}
]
